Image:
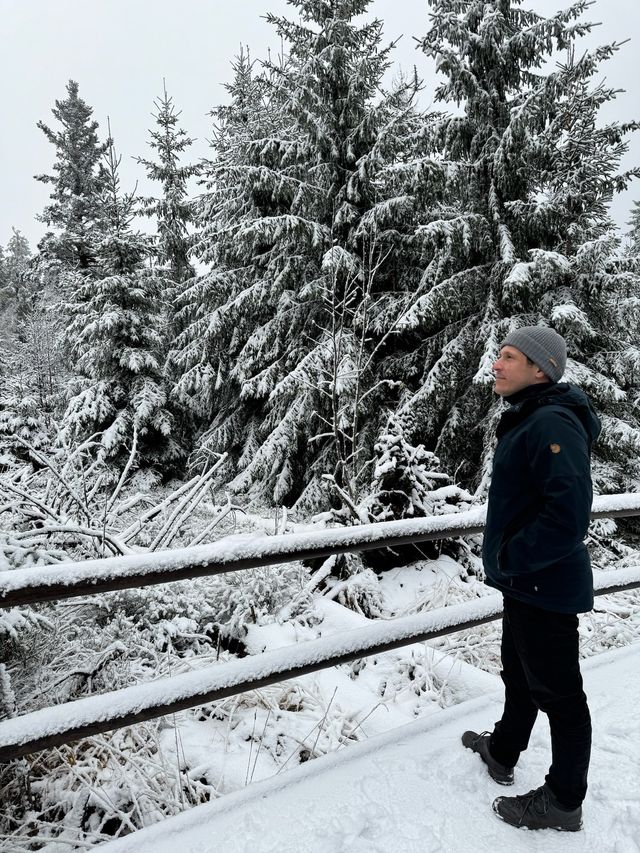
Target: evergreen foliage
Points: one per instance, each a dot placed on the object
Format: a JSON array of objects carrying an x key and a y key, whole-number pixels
[
  {"x": 279, "y": 330},
  {"x": 17, "y": 290},
  {"x": 173, "y": 211},
  {"x": 29, "y": 357},
  {"x": 76, "y": 183},
  {"x": 522, "y": 233},
  {"x": 363, "y": 260},
  {"x": 30, "y": 378},
  {"x": 633, "y": 247},
  {"x": 114, "y": 337},
  {"x": 407, "y": 481}
]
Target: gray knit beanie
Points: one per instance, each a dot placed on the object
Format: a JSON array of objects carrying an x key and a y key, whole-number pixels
[{"x": 543, "y": 346}]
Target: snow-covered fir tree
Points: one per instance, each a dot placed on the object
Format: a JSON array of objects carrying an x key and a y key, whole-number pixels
[
  {"x": 407, "y": 481},
  {"x": 278, "y": 353},
  {"x": 173, "y": 211},
  {"x": 72, "y": 212},
  {"x": 24, "y": 425},
  {"x": 29, "y": 357},
  {"x": 196, "y": 360},
  {"x": 68, "y": 248},
  {"x": 522, "y": 234},
  {"x": 17, "y": 289},
  {"x": 633, "y": 235},
  {"x": 114, "y": 337}
]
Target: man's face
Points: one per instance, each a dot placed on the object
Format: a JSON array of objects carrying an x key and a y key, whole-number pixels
[{"x": 514, "y": 372}]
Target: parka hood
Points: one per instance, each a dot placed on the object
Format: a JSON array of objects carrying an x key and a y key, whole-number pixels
[{"x": 558, "y": 394}]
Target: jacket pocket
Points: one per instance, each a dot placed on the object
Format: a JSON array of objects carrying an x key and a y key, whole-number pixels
[{"x": 521, "y": 520}]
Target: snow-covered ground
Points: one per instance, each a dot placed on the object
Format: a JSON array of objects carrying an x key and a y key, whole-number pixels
[{"x": 416, "y": 790}]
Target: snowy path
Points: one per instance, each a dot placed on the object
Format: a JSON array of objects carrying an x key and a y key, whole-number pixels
[{"x": 416, "y": 790}]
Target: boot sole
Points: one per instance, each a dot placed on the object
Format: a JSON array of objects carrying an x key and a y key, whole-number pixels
[{"x": 504, "y": 782}]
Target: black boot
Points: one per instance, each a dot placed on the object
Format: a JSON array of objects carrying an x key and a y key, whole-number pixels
[
  {"x": 480, "y": 743},
  {"x": 538, "y": 809}
]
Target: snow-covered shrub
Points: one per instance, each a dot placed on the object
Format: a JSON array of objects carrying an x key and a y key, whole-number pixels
[
  {"x": 256, "y": 596},
  {"x": 21, "y": 417},
  {"x": 85, "y": 794},
  {"x": 414, "y": 675},
  {"x": 21, "y": 628},
  {"x": 408, "y": 481},
  {"x": 354, "y": 585}
]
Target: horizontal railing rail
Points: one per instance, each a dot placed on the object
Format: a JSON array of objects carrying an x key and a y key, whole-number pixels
[
  {"x": 71, "y": 721},
  {"x": 103, "y": 712},
  {"x": 234, "y": 553}
]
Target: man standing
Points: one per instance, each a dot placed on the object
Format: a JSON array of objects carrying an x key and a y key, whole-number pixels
[{"x": 538, "y": 514}]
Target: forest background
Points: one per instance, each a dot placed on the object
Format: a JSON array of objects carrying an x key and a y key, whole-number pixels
[{"x": 301, "y": 334}]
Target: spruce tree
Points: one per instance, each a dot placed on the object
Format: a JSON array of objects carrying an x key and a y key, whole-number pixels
[
  {"x": 72, "y": 212},
  {"x": 522, "y": 234},
  {"x": 633, "y": 247},
  {"x": 173, "y": 211},
  {"x": 17, "y": 290},
  {"x": 292, "y": 228},
  {"x": 220, "y": 210},
  {"x": 196, "y": 359},
  {"x": 114, "y": 340},
  {"x": 29, "y": 364}
]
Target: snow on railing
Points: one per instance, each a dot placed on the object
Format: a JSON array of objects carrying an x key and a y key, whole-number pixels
[
  {"x": 249, "y": 551},
  {"x": 71, "y": 721}
]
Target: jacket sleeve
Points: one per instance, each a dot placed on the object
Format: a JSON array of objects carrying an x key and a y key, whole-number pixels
[{"x": 558, "y": 461}]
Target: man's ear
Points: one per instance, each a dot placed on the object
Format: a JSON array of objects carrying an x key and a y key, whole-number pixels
[{"x": 541, "y": 375}]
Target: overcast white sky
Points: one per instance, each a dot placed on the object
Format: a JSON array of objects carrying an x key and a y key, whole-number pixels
[{"x": 120, "y": 50}]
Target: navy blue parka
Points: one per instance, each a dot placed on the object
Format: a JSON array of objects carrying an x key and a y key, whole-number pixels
[{"x": 540, "y": 499}]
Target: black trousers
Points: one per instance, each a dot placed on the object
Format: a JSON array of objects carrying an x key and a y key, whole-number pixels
[{"x": 541, "y": 671}]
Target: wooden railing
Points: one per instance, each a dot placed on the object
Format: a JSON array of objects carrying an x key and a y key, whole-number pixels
[{"x": 81, "y": 718}]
